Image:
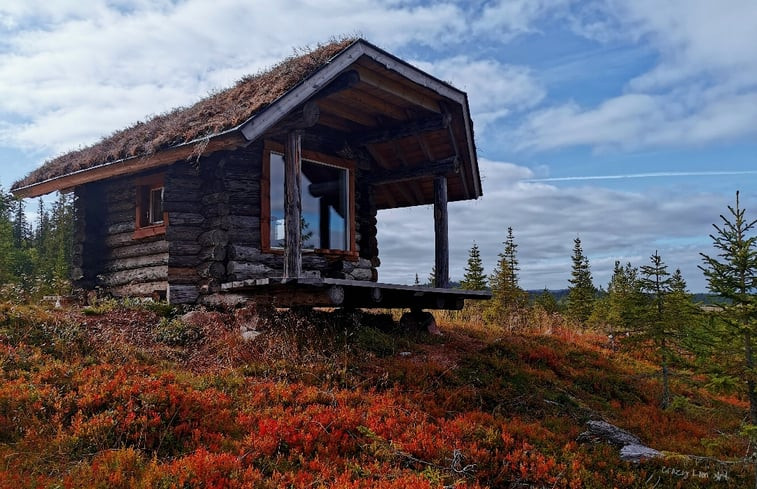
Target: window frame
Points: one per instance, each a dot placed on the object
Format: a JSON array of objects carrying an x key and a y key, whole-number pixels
[
  {"x": 265, "y": 200},
  {"x": 145, "y": 186}
]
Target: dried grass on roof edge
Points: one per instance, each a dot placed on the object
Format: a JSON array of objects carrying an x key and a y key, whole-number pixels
[{"x": 215, "y": 114}]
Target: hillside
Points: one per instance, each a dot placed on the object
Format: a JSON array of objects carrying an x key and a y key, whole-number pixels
[{"x": 135, "y": 396}]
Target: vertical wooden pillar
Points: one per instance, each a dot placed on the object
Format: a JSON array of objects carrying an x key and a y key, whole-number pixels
[
  {"x": 292, "y": 206},
  {"x": 441, "y": 232}
]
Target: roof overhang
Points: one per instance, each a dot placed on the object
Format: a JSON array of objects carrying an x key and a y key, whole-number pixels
[
  {"x": 186, "y": 151},
  {"x": 401, "y": 88},
  {"x": 365, "y": 95}
]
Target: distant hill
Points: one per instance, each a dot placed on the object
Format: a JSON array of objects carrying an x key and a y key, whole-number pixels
[{"x": 559, "y": 294}]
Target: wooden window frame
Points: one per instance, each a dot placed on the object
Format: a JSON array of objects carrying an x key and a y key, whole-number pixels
[
  {"x": 145, "y": 186},
  {"x": 265, "y": 197}
]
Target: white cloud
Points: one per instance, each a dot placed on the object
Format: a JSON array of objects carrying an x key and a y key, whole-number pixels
[
  {"x": 73, "y": 72},
  {"x": 638, "y": 120},
  {"x": 495, "y": 90},
  {"x": 613, "y": 225},
  {"x": 507, "y": 19},
  {"x": 702, "y": 88},
  {"x": 695, "y": 38}
]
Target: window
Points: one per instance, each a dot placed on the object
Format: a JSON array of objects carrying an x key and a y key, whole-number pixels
[
  {"x": 326, "y": 196},
  {"x": 151, "y": 219}
]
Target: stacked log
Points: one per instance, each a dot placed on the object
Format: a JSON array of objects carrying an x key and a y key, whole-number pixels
[
  {"x": 105, "y": 222},
  {"x": 182, "y": 200}
]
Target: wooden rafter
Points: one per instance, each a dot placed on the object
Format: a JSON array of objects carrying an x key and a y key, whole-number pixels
[
  {"x": 406, "y": 129},
  {"x": 372, "y": 102},
  {"x": 429, "y": 168},
  {"x": 398, "y": 89},
  {"x": 346, "y": 112},
  {"x": 414, "y": 189}
]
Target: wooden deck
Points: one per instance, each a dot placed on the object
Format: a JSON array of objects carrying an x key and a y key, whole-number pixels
[{"x": 329, "y": 292}]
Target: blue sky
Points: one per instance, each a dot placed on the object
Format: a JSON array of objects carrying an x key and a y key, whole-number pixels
[{"x": 658, "y": 98}]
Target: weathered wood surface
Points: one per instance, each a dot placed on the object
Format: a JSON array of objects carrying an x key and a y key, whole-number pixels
[
  {"x": 329, "y": 292},
  {"x": 293, "y": 205},
  {"x": 182, "y": 294},
  {"x": 182, "y": 233},
  {"x": 213, "y": 237},
  {"x": 106, "y": 253},
  {"x": 146, "y": 274},
  {"x": 424, "y": 170},
  {"x": 402, "y": 130},
  {"x": 182, "y": 275},
  {"x": 441, "y": 239},
  {"x": 115, "y": 265},
  {"x": 305, "y": 117},
  {"x": 130, "y": 165},
  {"x": 129, "y": 250},
  {"x": 213, "y": 232},
  {"x": 144, "y": 289}
]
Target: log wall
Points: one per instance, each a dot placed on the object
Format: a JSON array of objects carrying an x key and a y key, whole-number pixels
[
  {"x": 106, "y": 255},
  {"x": 212, "y": 236},
  {"x": 231, "y": 239}
]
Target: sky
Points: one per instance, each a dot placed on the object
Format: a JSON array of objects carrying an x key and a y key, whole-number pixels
[{"x": 630, "y": 124}]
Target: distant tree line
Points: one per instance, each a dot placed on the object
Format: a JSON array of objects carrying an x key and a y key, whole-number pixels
[{"x": 35, "y": 257}]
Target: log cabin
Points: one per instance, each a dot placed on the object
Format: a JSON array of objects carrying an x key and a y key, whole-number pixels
[{"x": 271, "y": 188}]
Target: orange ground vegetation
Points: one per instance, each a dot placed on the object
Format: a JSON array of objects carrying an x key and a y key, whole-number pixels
[{"x": 134, "y": 397}]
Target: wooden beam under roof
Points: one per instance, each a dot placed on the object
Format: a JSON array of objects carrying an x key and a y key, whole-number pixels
[
  {"x": 346, "y": 80},
  {"x": 305, "y": 117},
  {"x": 398, "y": 89},
  {"x": 406, "y": 129},
  {"x": 414, "y": 189},
  {"x": 365, "y": 99},
  {"x": 429, "y": 168},
  {"x": 346, "y": 112}
]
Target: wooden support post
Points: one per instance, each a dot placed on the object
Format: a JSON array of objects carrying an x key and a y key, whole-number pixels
[
  {"x": 440, "y": 232},
  {"x": 292, "y": 206}
]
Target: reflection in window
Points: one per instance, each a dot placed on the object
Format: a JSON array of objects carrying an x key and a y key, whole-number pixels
[
  {"x": 325, "y": 204},
  {"x": 155, "y": 215},
  {"x": 150, "y": 205}
]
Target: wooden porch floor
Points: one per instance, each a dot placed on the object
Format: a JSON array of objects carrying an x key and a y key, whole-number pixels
[{"x": 330, "y": 292}]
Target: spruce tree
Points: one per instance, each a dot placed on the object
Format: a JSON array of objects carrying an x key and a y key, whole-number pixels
[
  {"x": 581, "y": 291},
  {"x": 510, "y": 254},
  {"x": 21, "y": 228},
  {"x": 474, "y": 278},
  {"x": 507, "y": 296},
  {"x": 657, "y": 324},
  {"x": 6, "y": 238},
  {"x": 624, "y": 296},
  {"x": 547, "y": 301},
  {"x": 732, "y": 274},
  {"x": 60, "y": 240}
]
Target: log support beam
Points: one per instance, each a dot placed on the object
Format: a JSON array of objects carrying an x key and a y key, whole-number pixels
[
  {"x": 441, "y": 240},
  {"x": 404, "y": 130},
  {"x": 293, "y": 206},
  {"x": 439, "y": 167}
]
